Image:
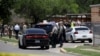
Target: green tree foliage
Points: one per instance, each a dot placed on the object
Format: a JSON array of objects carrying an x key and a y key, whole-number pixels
[
  {"x": 84, "y": 5},
  {"x": 38, "y": 9},
  {"x": 5, "y": 7}
]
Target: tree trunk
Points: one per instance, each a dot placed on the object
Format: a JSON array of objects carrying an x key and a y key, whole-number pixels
[{"x": 36, "y": 19}]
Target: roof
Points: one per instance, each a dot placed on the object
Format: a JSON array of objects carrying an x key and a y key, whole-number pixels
[
  {"x": 35, "y": 29},
  {"x": 80, "y": 27},
  {"x": 96, "y": 5}
]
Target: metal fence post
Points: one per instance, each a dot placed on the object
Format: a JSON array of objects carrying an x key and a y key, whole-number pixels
[{"x": 93, "y": 34}]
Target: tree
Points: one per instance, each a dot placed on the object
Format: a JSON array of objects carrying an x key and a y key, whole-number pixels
[
  {"x": 84, "y": 5},
  {"x": 5, "y": 7},
  {"x": 38, "y": 9}
]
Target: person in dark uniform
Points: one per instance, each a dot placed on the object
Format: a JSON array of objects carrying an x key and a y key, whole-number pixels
[
  {"x": 61, "y": 33},
  {"x": 67, "y": 26},
  {"x": 54, "y": 37}
]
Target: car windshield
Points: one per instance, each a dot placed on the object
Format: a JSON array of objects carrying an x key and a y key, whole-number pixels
[
  {"x": 35, "y": 32},
  {"x": 77, "y": 29},
  {"x": 48, "y": 27}
]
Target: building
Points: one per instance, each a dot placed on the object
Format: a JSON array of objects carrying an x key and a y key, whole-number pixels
[
  {"x": 95, "y": 13},
  {"x": 85, "y": 17}
]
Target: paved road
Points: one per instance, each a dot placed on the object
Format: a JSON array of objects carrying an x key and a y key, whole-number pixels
[{"x": 11, "y": 48}]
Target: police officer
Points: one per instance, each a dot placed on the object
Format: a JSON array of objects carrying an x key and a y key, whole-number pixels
[
  {"x": 61, "y": 33},
  {"x": 54, "y": 36}
]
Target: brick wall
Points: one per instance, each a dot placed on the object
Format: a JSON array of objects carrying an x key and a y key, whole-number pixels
[{"x": 95, "y": 13}]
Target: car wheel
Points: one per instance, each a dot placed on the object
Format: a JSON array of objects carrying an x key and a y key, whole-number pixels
[
  {"x": 82, "y": 41},
  {"x": 72, "y": 39},
  {"x": 90, "y": 40},
  {"x": 47, "y": 47},
  {"x": 42, "y": 47},
  {"x": 66, "y": 41}
]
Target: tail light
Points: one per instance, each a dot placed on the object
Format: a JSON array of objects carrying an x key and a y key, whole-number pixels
[
  {"x": 28, "y": 36},
  {"x": 45, "y": 36},
  {"x": 37, "y": 36},
  {"x": 91, "y": 32},
  {"x": 75, "y": 32}
]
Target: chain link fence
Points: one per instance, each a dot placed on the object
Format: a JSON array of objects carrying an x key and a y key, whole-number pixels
[
  {"x": 96, "y": 33},
  {"x": 95, "y": 27}
]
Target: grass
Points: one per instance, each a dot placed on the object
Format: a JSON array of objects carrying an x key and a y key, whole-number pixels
[
  {"x": 82, "y": 52},
  {"x": 6, "y": 38},
  {"x": 92, "y": 47}
]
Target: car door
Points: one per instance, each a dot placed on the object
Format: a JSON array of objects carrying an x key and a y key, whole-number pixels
[{"x": 68, "y": 33}]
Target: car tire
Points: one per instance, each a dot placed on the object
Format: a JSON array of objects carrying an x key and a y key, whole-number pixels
[
  {"x": 82, "y": 41},
  {"x": 21, "y": 46},
  {"x": 90, "y": 40},
  {"x": 66, "y": 41},
  {"x": 42, "y": 47},
  {"x": 72, "y": 39},
  {"x": 47, "y": 47}
]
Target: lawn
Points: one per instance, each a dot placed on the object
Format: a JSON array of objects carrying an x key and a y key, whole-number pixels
[
  {"x": 79, "y": 50},
  {"x": 6, "y": 38}
]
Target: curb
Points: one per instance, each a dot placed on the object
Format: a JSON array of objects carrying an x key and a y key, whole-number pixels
[
  {"x": 63, "y": 50},
  {"x": 17, "y": 54}
]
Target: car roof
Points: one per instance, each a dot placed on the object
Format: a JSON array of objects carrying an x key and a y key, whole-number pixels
[
  {"x": 43, "y": 24},
  {"x": 35, "y": 29},
  {"x": 80, "y": 27}
]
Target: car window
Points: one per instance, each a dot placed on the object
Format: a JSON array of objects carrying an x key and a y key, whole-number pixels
[
  {"x": 48, "y": 28},
  {"x": 69, "y": 30},
  {"x": 77, "y": 29},
  {"x": 35, "y": 32}
]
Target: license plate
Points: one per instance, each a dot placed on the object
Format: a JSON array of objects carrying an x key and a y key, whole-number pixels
[
  {"x": 37, "y": 41},
  {"x": 84, "y": 36}
]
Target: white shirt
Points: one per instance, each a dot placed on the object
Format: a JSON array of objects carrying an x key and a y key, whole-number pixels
[
  {"x": 24, "y": 27},
  {"x": 55, "y": 29},
  {"x": 17, "y": 27}
]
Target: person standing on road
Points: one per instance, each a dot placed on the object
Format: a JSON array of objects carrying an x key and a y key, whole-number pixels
[
  {"x": 2, "y": 30},
  {"x": 10, "y": 29},
  {"x": 24, "y": 27},
  {"x": 61, "y": 33},
  {"x": 16, "y": 29},
  {"x": 54, "y": 36}
]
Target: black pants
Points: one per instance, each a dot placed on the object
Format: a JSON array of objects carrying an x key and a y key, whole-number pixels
[
  {"x": 64, "y": 37},
  {"x": 16, "y": 34},
  {"x": 2, "y": 33},
  {"x": 54, "y": 40},
  {"x": 61, "y": 40},
  {"x": 10, "y": 33}
]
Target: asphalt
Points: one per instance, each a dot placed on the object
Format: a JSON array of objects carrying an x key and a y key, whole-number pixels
[{"x": 57, "y": 50}]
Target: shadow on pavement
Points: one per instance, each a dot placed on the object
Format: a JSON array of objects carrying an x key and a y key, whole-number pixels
[{"x": 35, "y": 48}]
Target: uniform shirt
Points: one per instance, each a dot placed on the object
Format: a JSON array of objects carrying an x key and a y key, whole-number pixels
[
  {"x": 55, "y": 30},
  {"x": 61, "y": 28},
  {"x": 17, "y": 27}
]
